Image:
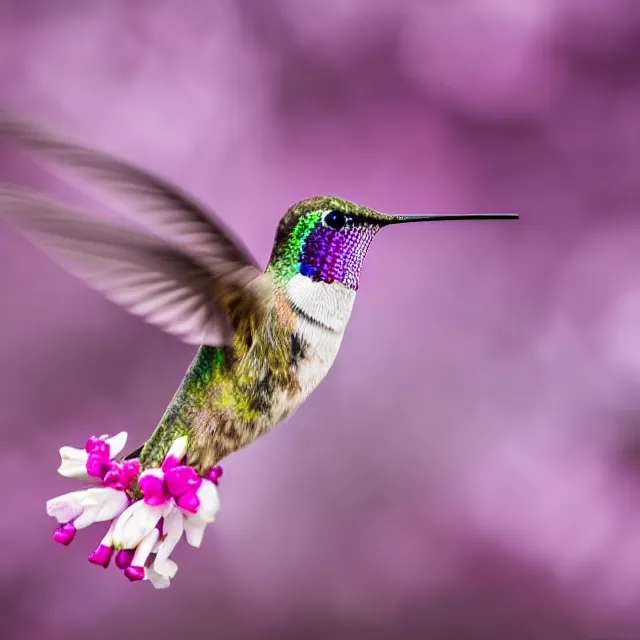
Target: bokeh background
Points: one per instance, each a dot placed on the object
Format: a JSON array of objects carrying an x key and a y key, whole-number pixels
[{"x": 485, "y": 400}]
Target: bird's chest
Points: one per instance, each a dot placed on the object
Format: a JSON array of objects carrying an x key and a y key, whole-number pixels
[
  {"x": 321, "y": 349},
  {"x": 321, "y": 315},
  {"x": 309, "y": 370}
]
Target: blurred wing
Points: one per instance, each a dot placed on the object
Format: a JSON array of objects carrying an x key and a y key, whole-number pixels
[
  {"x": 148, "y": 277},
  {"x": 158, "y": 205}
]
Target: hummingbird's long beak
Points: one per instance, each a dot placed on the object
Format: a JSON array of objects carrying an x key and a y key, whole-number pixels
[{"x": 387, "y": 219}]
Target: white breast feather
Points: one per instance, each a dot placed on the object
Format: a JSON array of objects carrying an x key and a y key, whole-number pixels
[{"x": 323, "y": 311}]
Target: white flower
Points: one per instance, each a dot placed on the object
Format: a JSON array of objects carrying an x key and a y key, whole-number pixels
[
  {"x": 136, "y": 570},
  {"x": 159, "y": 580},
  {"x": 73, "y": 462},
  {"x": 88, "y": 506},
  {"x": 196, "y": 523},
  {"x": 138, "y": 521},
  {"x": 100, "y": 505},
  {"x": 172, "y": 528},
  {"x": 103, "y": 552},
  {"x": 175, "y": 501},
  {"x": 67, "y": 507},
  {"x": 175, "y": 522}
]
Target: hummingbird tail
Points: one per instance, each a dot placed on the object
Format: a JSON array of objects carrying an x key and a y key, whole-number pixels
[{"x": 148, "y": 510}]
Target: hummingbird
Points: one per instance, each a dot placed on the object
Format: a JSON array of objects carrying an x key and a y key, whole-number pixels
[{"x": 265, "y": 338}]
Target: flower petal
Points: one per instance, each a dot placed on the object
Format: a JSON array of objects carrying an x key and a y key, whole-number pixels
[
  {"x": 116, "y": 443},
  {"x": 176, "y": 453},
  {"x": 73, "y": 463},
  {"x": 194, "y": 531},
  {"x": 100, "y": 504},
  {"x": 101, "y": 555},
  {"x": 65, "y": 534},
  {"x": 214, "y": 474},
  {"x": 181, "y": 479},
  {"x": 189, "y": 501},
  {"x": 153, "y": 487},
  {"x": 196, "y": 523},
  {"x": 104, "y": 551},
  {"x": 67, "y": 507},
  {"x": 124, "y": 558},
  {"x": 135, "y": 523},
  {"x": 136, "y": 571},
  {"x": 97, "y": 465},
  {"x": 172, "y": 529},
  {"x": 209, "y": 502},
  {"x": 158, "y": 580}
]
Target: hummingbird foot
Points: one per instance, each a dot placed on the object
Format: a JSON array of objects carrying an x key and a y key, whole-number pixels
[{"x": 148, "y": 512}]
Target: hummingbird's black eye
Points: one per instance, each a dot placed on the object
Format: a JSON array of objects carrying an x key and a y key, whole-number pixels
[{"x": 335, "y": 219}]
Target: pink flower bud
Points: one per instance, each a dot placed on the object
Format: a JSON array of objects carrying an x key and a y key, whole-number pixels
[
  {"x": 124, "y": 558},
  {"x": 101, "y": 556},
  {"x": 65, "y": 534},
  {"x": 214, "y": 474},
  {"x": 189, "y": 501},
  {"x": 181, "y": 479},
  {"x": 153, "y": 487},
  {"x": 134, "y": 573},
  {"x": 97, "y": 464}
]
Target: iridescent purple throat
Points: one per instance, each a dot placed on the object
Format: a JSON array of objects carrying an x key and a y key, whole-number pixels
[{"x": 336, "y": 254}]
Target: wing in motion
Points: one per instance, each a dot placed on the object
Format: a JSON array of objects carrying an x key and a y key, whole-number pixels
[{"x": 187, "y": 286}]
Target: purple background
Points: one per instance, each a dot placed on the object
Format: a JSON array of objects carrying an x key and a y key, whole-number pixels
[{"x": 470, "y": 468}]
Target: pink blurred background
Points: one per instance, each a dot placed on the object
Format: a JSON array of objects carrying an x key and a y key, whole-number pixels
[{"x": 485, "y": 400}]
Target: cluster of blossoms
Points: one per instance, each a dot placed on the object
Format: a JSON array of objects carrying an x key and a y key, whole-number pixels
[{"x": 143, "y": 532}]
